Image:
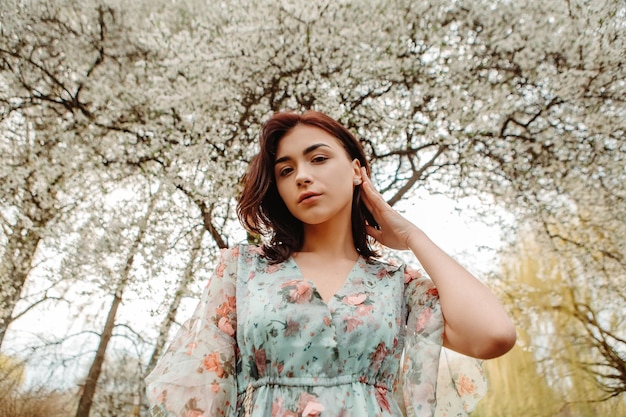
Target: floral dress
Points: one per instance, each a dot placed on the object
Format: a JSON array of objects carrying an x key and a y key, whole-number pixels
[{"x": 262, "y": 342}]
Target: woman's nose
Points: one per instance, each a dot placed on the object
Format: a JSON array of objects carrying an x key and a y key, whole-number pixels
[{"x": 302, "y": 177}]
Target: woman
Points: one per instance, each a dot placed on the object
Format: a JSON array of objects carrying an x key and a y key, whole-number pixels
[{"x": 311, "y": 324}]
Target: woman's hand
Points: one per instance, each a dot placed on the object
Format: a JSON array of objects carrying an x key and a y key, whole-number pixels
[{"x": 395, "y": 231}]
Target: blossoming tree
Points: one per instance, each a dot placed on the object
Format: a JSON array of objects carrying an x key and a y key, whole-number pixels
[{"x": 520, "y": 104}]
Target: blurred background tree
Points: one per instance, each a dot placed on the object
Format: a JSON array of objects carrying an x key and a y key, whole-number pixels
[
  {"x": 514, "y": 108},
  {"x": 570, "y": 356}
]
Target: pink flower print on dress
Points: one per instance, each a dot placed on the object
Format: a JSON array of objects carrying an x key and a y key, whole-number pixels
[
  {"x": 304, "y": 398},
  {"x": 364, "y": 310},
  {"x": 352, "y": 323},
  {"x": 270, "y": 269},
  {"x": 358, "y": 300},
  {"x": 312, "y": 408},
  {"x": 161, "y": 397},
  {"x": 354, "y": 299},
  {"x": 411, "y": 274},
  {"x": 277, "y": 407},
  {"x": 309, "y": 405},
  {"x": 382, "y": 273},
  {"x": 379, "y": 354},
  {"x": 302, "y": 293},
  {"x": 260, "y": 359},
  {"x": 464, "y": 385},
  {"x": 219, "y": 272},
  {"x": 212, "y": 363},
  {"x": 381, "y": 398},
  {"x": 225, "y": 326},
  {"x": 432, "y": 292},
  {"x": 291, "y": 328},
  {"x": 290, "y": 283},
  {"x": 279, "y": 411},
  {"x": 190, "y": 348},
  {"x": 226, "y": 307},
  {"x": 423, "y": 318}
]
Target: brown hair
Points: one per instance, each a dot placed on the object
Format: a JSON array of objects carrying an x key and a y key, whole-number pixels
[{"x": 262, "y": 211}]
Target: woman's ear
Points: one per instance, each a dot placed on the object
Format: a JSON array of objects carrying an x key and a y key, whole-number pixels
[{"x": 356, "y": 167}]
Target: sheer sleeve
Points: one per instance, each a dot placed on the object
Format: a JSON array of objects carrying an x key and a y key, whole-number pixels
[
  {"x": 434, "y": 380},
  {"x": 196, "y": 376}
]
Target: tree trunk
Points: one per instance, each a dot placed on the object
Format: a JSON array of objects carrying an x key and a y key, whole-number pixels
[
  {"x": 169, "y": 319},
  {"x": 91, "y": 382}
]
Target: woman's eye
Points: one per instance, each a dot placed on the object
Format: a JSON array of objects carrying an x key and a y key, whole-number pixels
[
  {"x": 319, "y": 158},
  {"x": 284, "y": 171}
]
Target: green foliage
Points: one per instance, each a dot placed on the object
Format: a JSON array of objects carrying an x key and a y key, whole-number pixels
[
  {"x": 558, "y": 367},
  {"x": 516, "y": 384}
]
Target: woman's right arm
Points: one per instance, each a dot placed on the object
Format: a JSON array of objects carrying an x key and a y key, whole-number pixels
[{"x": 196, "y": 375}]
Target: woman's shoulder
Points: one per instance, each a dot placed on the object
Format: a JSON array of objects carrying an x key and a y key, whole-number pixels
[
  {"x": 240, "y": 258},
  {"x": 394, "y": 266},
  {"x": 244, "y": 250},
  {"x": 386, "y": 266},
  {"x": 246, "y": 255}
]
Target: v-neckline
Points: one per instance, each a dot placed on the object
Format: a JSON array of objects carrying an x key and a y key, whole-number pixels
[{"x": 345, "y": 283}]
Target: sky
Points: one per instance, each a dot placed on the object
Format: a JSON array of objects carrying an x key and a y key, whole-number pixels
[{"x": 455, "y": 227}]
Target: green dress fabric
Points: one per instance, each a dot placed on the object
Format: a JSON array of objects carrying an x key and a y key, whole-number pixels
[{"x": 262, "y": 342}]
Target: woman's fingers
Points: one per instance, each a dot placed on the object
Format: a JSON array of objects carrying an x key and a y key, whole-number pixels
[
  {"x": 372, "y": 198},
  {"x": 394, "y": 229}
]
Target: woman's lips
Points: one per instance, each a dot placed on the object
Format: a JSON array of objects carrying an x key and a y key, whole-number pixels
[{"x": 308, "y": 197}]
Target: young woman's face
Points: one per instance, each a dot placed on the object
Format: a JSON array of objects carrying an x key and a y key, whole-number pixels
[{"x": 314, "y": 175}]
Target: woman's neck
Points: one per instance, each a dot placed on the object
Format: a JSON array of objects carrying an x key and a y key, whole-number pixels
[{"x": 330, "y": 240}]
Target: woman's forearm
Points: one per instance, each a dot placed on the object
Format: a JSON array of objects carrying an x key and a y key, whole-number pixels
[{"x": 476, "y": 323}]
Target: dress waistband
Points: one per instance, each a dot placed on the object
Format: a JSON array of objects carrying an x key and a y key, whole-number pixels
[{"x": 323, "y": 381}]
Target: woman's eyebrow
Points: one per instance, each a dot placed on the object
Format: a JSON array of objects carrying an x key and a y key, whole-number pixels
[{"x": 308, "y": 150}]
